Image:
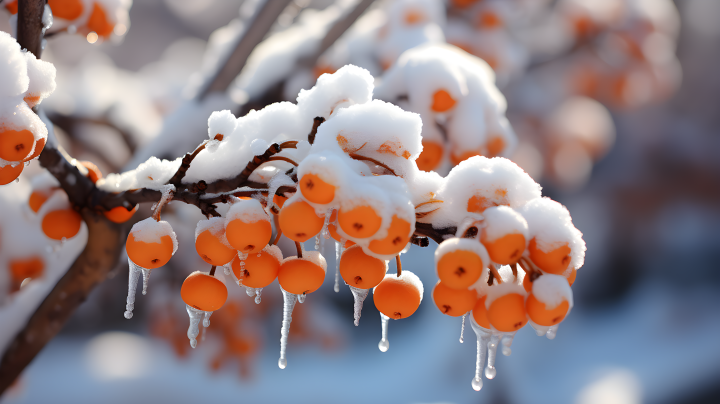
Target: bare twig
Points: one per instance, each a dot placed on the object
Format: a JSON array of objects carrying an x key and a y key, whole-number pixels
[
  {"x": 372, "y": 160},
  {"x": 316, "y": 124},
  {"x": 30, "y": 25}
]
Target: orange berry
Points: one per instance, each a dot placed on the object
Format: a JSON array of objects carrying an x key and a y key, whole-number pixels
[
  {"x": 248, "y": 237},
  {"x": 31, "y": 100},
  {"x": 94, "y": 172},
  {"x": 21, "y": 269},
  {"x": 212, "y": 250},
  {"x": 463, "y": 3},
  {"x": 480, "y": 313},
  {"x": 15, "y": 145},
  {"x": 430, "y": 157},
  {"x": 507, "y": 313},
  {"x": 9, "y": 173},
  {"x": 66, "y": 9},
  {"x": 463, "y": 265},
  {"x": 37, "y": 199},
  {"x": 505, "y": 250},
  {"x": 539, "y": 314},
  {"x": 279, "y": 200},
  {"x": 11, "y": 6},
  {"x": 453, "y": 302},
  {"x": 299, "y": 222},
  {"x": 554, "y": 262},
  {"x": 260, "y": 269},
  {"x": 571, "y": 278},
  {"x": 398, "y": 297},
  {"x": 149, "y": 255},
  {"x": 120, "y": 214},
  {"x": 495, "y": 146},
  {"x": 413, "y": 17},
  {"x": 442, "y": 101},
  {"x": 203, "y": 292},
  {"x": 457, "y": 159},
  {"x": 361, "y": 270},
  {"x": 62, "y": 223},
  {"x": 39, "y": 146},
  {"x": 315, "y": 190},
  {"x": 300, "y": 276},
  {"x": 397, "y": 238},
  {"x": 323, "y": 69},
  {"x": 489, "y": 20},
  {"x": 527, "y": 284},
  {"x": 359, "y": 222},
  {"x": 333, "y": 232},
  {"x": 99, "y": 22}
]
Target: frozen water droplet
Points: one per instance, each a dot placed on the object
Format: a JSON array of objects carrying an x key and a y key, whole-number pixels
[
  {"x": 540, "y": 330},
  {"x": 206, "y": 320},
  {"x": 249, "y": 291},
  {"x": 552, "y": 331},
  {"x": 317, "y": 242},
  {"x": 258, "y": 297},
  {"x": 338, "y": 251},
  {"x": 227, "y": 270},
  {"x": 146, "y": 278},
  {"x": 359, "y": 296},
  {"x": 483, "y": 338},
  {"x": 289, "y": 301},
  {"x": 477, "y": 383},
  {"x": 194, "y": 328},
  {"x": 384, "y": 344},
  {"x": 506, "y": 343},
  {"x": 325, "y": 232},
  {"x": 490, "y": 370},
  {"x": 301, "y": 298},
  {"x": 462, "y": 328},
  {"x": 133, "y": 277}
]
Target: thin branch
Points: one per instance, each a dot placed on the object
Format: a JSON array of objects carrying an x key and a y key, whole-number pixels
[
  {"x": 316, "y": 124},
  {"x": 30, "y": 25},
  {"x": 438, "y": 235},
  {"x": 285, "y": 159},
  {"x": 372, "y": 160},
  {"x": 398, "y": 263},
  {"x": 185, "y": 165}
]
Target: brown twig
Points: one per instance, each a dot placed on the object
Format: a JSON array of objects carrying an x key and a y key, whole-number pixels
[
  {"x": 438, "y": 235},
  {"x": 285, "y": 159},
  {"x": 398, "y": 263},
  {"x": 212, "y": 271},
  {"x": 372, "y": 160},
  {"x": 185, "y": 165},
  {"x": 495, "y": 273},
  {"x": 316, "y": 124}
]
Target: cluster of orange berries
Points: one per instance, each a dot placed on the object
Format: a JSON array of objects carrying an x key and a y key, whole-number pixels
[{"x": 86, "y": 15}]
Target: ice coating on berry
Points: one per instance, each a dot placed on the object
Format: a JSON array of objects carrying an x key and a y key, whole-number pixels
[
  {"x": 549, "y": 223},
  {"x": 552, "y": 290},
  {"x": 151, "y": 231}
]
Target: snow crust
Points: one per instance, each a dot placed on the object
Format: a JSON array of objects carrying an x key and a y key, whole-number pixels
[
  {"x": 151, "y": 231},
  {"x": 502, "y": 289},
  {"x": 246, "y": 210},
  {"x": 552, "y": 290},
  {"x": 501, "y": 221},
  {"x": 152, "y": 174},
  {"x": 216, "y": 226}
]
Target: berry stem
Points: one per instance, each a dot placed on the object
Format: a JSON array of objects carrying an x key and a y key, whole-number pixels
[
  {"x": 276, "y": 220},
  {"x": 316, "y": 123},
  {"x": 281, "y": 158},
  {"x": 212, "y": 270},
  {"x": 494, "y": 274},
  {"x": 399, "y": 265},
  {"x": 298, "y": 246},
  {"x": 372, "y": 160}
]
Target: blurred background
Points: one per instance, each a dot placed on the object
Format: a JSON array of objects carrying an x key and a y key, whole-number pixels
[{"x": 640, "y": 177}]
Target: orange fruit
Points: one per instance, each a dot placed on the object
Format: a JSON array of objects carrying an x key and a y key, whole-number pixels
[
  {"x": 37, "y": 199},
  {"x": 149, "y": 255},
  {"x": 299, "y": 222},
  {"x": 495, "y": 146},
  {"x": 571, "y": 278},
  {"x": 39, "y": 146},
  {"x": 66, "y": 9},
  {"x": 248, "y": 237},
  {"x": 300, "y": 276},
  {"x": 505, "y": 250},
  {"x": 442, "y": 101},
  {"x": 554, "y": 262},
  {"x": 397, "y": 298},
  {"x": 541, "y": 315},
  {"x": 316, "y": 190},
  {"x": 62, "y": 223},
  {"x": 453, "y": 302},
  {"x": 480, "y": 313},
  {"x": 279, "y": 200},
  {"x": 11, "y": 6},
  {"x": 99, "y": 22},
  {"x": 94, "y": 172},
  {"x": 413, "y": 17},
  {"x": 430, "y": 157},
  {"x": 459, "y": 158},
  {"x": 527, "y": 285},
  {"x": 203, "y": 292},
  {"x": 15, "y": 145},
  {"x": 119, "y": 214},
  {"x": 396, "y": 240},
  {"x": 463, "y": 3},
  {"x": 489, "y": 20},
  {"x": 212, "y": 250},
  {"x": 507, "y": 313},
  {"x": 260, "y": 269},
  {"x": 21, "y": 269},
  {"x": 9, "y": 173},
  {"x": 31, "y": 100},
  {"x": 359, "y": 222},
  {"x": 361, "y": 270},
  {"x": 460, "y": 268}
]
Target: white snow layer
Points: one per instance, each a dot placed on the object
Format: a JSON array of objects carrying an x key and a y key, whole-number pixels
[
  {"x": 552, "y": 290},
  {"x": 151, "y": 231}
]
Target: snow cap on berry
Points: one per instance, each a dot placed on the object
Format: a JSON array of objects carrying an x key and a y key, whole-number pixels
[
  {"x": 151, "y": 231},
  {"x": 552, "y": 290}
]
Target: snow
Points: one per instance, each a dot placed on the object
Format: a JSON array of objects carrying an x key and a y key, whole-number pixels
[
  {"x": 502, "y": 289},
  {"x": 552, "y": 290},
  {"x": 314, "y": 257},
  {"x": 216, "y": 226},
  {"x": 462, "y": 244},
  {"x": 247, "y": 211},
  {"x": 13, "y": 69},
  {"x": 348, "y": 86},
  {"x": 151, "y": 231},
  {"x": 501, "y": 221},
  {"x": 42, "y": 77},
  {"x": 152, "y": 174}
]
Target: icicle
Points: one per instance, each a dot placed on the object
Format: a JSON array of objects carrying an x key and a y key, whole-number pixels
[
  {"x": 249, "y": 291},
  {"x": 338, "y": 251},
  {"x": 552, "y": 331},
  {"x": 359, "y": 296},
  {"x": 462, "y": 328},
  {"x": 242, "y": 257},
  {"x": 540, "y": 330},
  {"x": 206, "y": 320},
  {"x": 133, "y": 277},
  {"x": 384, "y": 344},
  {"x": 301, "y": 298},
  {"x": 202, "y": 334},
  {"x": 146, "y": 278},
  {"x": 194, "y": 329},
  {"x": 490, "y": 370},
  {"x": 289, "y": 301},
  {"x": 483, "y": 337},
  {"x": 317, "y": 243},
  {"x": 258, "y": 298},
  {"x": 506, "y": 342},
  {"x": 227, "y": 269}
]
